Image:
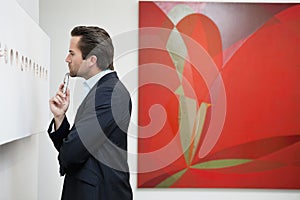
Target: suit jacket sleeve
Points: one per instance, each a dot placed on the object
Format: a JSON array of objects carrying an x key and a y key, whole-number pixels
[
  {"x": 72, "y": 152},
  {"x": 58, "y": 135}
]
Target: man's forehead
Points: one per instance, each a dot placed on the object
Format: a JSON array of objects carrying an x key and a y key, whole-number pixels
[
  {"x": 75, "y": 39},
  {"x": 73, "y": 42}
]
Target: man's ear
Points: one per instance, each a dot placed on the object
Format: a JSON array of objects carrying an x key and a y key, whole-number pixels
[{"x": 92, "y": 60}]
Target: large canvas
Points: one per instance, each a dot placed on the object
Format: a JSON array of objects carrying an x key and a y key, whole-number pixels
[
  {"x": 24, "y": 66},
  {"x": 219, "y": 95}
]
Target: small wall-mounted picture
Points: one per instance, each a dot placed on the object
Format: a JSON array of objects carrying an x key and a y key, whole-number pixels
[
  {"x": 5, "y": 55},
  {"x": 11, "y": 57},
  {"x": 17, "y": 59},
  {"x": 29, "y": 64},
  {"x": 22, "y": 63},
  {"x": 26, "y": 64}
]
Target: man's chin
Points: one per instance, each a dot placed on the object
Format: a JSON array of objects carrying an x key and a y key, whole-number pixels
[{"x": 72, "y": 74}]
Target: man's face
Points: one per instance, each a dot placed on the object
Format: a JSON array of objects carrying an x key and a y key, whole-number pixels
[{"x": 74, "y": 59}]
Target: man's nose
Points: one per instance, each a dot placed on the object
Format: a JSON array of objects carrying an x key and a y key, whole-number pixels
[{"x": 68, "y": 60}]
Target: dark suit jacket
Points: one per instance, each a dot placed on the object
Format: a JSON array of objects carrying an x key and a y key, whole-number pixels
[{"x": 93, "y": 153}]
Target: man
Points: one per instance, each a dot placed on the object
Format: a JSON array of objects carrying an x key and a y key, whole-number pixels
[{"x": 93, "y": 152}]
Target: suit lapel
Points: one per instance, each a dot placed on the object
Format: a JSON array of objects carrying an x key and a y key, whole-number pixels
[{"x": 92, "y": 92}]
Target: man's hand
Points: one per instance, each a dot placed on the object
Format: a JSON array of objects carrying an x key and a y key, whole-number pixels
[{"x": 59, "y": 105}]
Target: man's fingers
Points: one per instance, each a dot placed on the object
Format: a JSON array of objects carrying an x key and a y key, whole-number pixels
[
  {"x": 56, "y": 100},
  {"x": 61, "y": 86}
]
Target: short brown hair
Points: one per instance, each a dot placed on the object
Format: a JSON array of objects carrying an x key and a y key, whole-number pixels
[{"x": 95, "y": 41}]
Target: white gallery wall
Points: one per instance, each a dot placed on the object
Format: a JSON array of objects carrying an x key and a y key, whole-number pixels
[
  {"x": 24, "y": 63},
  {"x": 19, "y": 159},
  {"x": 120, "y": 19}
]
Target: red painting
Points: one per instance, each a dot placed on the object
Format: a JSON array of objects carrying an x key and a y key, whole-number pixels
[{"x": 219, "y": 95}]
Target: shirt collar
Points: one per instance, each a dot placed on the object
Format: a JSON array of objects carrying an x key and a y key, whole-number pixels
[{"x": 89, "y": 83}]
